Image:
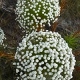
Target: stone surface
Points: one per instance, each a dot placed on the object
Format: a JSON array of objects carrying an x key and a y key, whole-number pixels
[
  {"x": 10, "y": 26},
  {"x": 8, "y": 5}
]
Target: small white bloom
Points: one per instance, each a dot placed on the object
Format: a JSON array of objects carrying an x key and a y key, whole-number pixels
[
  {"x": 17, "y": 70},
  {"x": 2, "y": 36},
  {"x": 43, "y": 59}
]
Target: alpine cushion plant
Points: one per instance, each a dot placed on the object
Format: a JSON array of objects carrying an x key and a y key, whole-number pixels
[
  {"x": 44, "y": 56},
  {"x": 36, "y": 13}
]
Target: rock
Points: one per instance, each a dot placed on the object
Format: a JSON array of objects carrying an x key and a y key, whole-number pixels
[
  {"x": 7, "y": 70},
  {"x": 10, "y": 26},
  {"x": 8, "y": 5},
  {"x": 68, "y": 26}
]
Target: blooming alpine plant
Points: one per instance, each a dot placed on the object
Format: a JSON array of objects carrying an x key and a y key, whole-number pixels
[
  {"x": 44, "y": 56},
  {"x": 35, "y": 13}
]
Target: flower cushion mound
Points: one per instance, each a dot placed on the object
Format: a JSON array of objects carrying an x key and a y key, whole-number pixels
[
  {"x": 1, "y": 36},
  {"x": 44, "y": 56},
  {"x": 33, "y": 13}
]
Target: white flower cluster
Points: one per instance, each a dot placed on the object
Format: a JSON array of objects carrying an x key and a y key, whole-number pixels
[
  {"x": 33, "y": 13},
  {"x": 2, "y": 36},
  {"x": 44, "y": 56}
]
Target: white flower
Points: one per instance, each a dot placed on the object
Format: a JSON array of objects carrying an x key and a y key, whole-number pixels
[
  {"x": 17, "y": 70},
  {"x": 33, "y": 12},
  {"x": 40, "y": 63},
  {"x": 2, "y": 36}
]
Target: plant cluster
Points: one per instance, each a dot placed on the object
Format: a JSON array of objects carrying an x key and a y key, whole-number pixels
[
  {"x": 36, "y": 13},
  {"x": 44, "y": 56},
  {"x": 41, "y": 55}
]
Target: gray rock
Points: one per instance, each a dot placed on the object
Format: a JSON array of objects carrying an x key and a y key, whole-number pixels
[{"x": 8, "y": 5}]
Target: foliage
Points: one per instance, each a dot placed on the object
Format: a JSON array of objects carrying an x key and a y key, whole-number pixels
[{"x": 73, "y": 40}]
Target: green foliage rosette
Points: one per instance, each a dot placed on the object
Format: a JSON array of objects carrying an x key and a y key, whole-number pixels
[
  {"x": 35, "y": 13},
  {"x": 44, "y": 56}
]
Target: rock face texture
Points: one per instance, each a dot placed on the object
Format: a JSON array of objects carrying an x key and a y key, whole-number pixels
[
  {"x": 13, "y": 36},
  {"x": 8, "y": 5},
  {"x": 8, "y": 23}
]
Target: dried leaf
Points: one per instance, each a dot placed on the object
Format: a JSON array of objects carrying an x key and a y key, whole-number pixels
[
  {"x": 54, "y": 26},
  {"x": 63, "y": 4},
  {"x": 76, "y": 34},
  {"x": 77, "y": 68},
  {"x": 76, "y": 53},
  {"x": 6, "y": 55}
]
